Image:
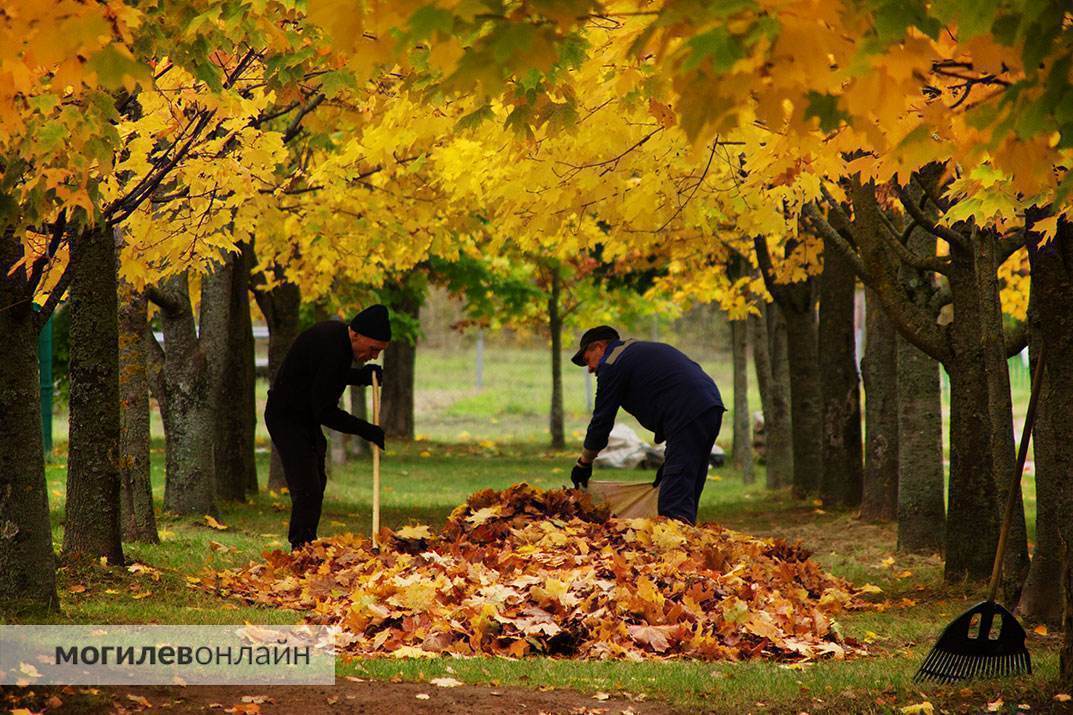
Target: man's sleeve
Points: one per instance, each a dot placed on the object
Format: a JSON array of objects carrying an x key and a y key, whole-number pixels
[
  {"x": 340, "y": 420},
  {"x": 609, "y": 386}
]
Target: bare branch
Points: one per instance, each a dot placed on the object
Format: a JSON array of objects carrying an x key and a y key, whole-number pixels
[
  {"x": 831, "y": 237},
  {"x": 947, "y": 234}
]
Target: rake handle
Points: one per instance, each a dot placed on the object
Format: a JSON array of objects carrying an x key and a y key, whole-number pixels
[
  {"x": 1011, "y": 497},
  {"x": 376, "y": 464}
]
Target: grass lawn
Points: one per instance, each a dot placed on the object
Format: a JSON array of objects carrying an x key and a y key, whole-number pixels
[
  {"x": 425, "y": 480},
  {"x": 470, "y": 439}
]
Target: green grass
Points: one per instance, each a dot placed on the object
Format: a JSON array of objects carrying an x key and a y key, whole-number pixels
[
  {"x": 471, "y": 439},
  {"x": 425, "y": 488}
]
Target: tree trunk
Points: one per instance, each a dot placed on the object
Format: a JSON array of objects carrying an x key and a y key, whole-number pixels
[
  {"x": 137, "y": 520},
  {"x": 778, "y": 426},
  {"x": 1042, "y": 598},
  {"x": 27, "y": 563},
  {"x": 91, "y": 527},
  {"x": 1000, "y": 408},
  {"x": 280, "y": 308},
  {"x": 842, "y": 476},
  {"x": 1051, "y": 313},
  {"x": 879, "y": 499},
  {"x": 236, "y": 417},
  {"x": 762, "y": 365},
  {"x": 397, "y": 403},
  {"x": 189, "y": 484},
  {"x": 742, "y": 450},
  {"x": 921, "y": 510},
  {"x": 556, "y": 423},
  {"x": 805, "y": 396}
]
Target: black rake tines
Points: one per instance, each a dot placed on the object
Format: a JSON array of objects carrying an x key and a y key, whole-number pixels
[
  {"x": 943, "y": 667},
  {"x": 985, "y": 641}
]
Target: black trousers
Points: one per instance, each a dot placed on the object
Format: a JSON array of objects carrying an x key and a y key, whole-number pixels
[
  {"x": 301, "y": 447},
  {"x": 685, "y": 467}
]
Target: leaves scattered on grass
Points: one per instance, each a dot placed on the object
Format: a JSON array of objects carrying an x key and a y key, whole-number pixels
[{"x": 525, "y": 571}]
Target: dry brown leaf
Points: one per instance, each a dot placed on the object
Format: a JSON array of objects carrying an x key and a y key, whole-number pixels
[
  {"x": 209, "y": 521},
  {"x": 139, "y": 700}
]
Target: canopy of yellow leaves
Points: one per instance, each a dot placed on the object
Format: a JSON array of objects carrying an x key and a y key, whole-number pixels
[{"x": 525, "y": 571}]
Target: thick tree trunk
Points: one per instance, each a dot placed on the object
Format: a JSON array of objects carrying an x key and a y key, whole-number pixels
[
  {"x": 1042, "y": 598},
  {"x": 27, "y": 563},
  {"x": 1000, "y": 408},
  {"x": 397, "y": 405},
  {"x": 189, "y": 484},
  {"x": 556, "y": 422},
  {"x": 919, "y": 460},
  {"x": 921, "y": 476},
  {"x": 778, "y": 426},
  {"x": 1052, "y": 301},
  {"x": 235, "y": 404},
  {"x": 91, "y": 527},
  {"x": 805, "y": 397},
  {"x": 842, "y": 477},
  {"x": 973, "y": 513},
  {"x": 137, "y": 520},
  {"x": 280, "y": 308},
  {"x": 742, "y": 450},
  {"x": 879, "y": 500}
]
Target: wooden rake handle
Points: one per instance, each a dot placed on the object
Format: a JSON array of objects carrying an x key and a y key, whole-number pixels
[
  {"x": 1022, "y": 454},
  {"x": 376, "y": 464}
]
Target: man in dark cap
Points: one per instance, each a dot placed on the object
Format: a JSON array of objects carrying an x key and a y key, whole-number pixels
[
  {"x": 305, "y": 395},
  {"x": 669, "y": 394}
]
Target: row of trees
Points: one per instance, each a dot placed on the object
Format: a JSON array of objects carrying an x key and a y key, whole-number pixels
[{"x": 758, "y": 152}]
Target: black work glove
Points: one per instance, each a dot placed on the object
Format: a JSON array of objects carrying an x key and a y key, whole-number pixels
[
  {"x": 364, "y": 374},
  {"x": 372, "y": 433},
  {"x": 580, "y": 474},
  {"x": 659, "y": 476}
]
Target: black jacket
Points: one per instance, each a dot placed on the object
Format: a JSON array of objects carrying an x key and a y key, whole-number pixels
[
  {"x": 314, "y": 373},
  {"x": 655, "y": 383}
]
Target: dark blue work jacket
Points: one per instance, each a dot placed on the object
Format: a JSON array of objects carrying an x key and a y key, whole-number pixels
[{"x": 655, "y": 383}]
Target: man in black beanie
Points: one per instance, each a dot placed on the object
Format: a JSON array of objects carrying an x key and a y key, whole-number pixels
[{"x": 305, "y": 395}]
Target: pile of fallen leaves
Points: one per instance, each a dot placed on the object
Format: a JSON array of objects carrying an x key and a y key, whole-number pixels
[{"x": 526, "y": 571}]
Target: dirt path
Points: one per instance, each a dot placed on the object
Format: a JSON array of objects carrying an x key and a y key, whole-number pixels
[{"x": 346, "y": 696}]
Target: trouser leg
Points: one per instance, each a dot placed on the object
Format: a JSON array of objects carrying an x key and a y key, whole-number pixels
[
  {"x": 685, "y": 469},
  {"x": 303, "y": 469}
]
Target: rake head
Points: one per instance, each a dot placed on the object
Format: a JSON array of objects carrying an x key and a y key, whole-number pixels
[{"x": 985, "y": 641}]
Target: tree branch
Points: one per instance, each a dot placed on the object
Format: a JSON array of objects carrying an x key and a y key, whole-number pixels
[
  {"x": 58, "y": 229},
  {"x": 296, "y": 123},
  {"x": 947, "y": 234},
  {"x": 55, "y": 296},
  {"x": 161, "y": 299},
  {"x": 831, "y": 237}
]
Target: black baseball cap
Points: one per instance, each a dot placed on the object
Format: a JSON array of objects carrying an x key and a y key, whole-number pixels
[{"x": 590, "y": 336}]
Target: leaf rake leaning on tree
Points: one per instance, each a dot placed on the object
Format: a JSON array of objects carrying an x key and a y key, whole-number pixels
[
  {"x": 305, "y": 395},
  {"x": 670, "y": 395}
]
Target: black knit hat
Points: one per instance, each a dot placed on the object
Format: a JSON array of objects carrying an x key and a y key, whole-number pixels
[
  {"x": 373, "y": 323},
  {"x": 600, "y": 332}
]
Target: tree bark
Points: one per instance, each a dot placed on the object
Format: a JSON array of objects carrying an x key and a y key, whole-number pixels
[
  {"x": 879, "y": 499},
  {"x": 1052, "y": 318},
  {"x": 798, "y": 305},
  {"x": 842, "y": 476},
  {"x": 778, "y": 426},
  {"x": 189, "y": 483},
  {"x": 742, "y": 449},
  {"x": 235, "y": 407},
  {"x": 556, "y": 422},
  {"x": 91, "y": 527},
  {"x": 137, "y": 519},
  {"x": 27, "y": 562},
  {"x": 805, "y": 398},
  {"x": 280, "y": 308},
  {"x": 1000, "y": 409},
  {"x": 1042, "y": 598},
  {"x": 397, "y": 403}
]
